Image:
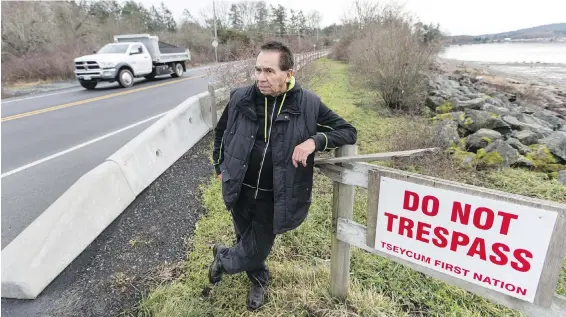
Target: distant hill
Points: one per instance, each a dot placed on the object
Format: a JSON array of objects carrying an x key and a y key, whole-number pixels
[{"x": 557, "y": 30}]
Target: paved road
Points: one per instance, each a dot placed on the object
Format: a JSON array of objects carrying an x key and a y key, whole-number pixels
[{"x": 51, "y": 140}]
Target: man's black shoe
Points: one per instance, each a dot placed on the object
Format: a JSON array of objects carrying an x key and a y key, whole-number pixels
[
  {"x": 215, "y": 270},
  {"x": 256, "y": 297}
]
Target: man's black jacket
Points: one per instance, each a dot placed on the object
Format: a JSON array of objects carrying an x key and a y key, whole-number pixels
[{"x": 255, "y": 150}]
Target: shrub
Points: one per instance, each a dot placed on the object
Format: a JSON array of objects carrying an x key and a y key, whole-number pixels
[{"x": 391, "y": 56}]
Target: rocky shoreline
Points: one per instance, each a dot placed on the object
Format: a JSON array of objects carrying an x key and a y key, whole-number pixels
[{"x": 492, "y": 121}]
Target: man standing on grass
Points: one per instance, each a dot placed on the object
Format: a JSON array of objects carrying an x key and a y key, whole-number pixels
[{"x": 264, "y": 154}]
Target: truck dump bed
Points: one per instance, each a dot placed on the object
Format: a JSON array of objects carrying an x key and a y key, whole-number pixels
[
  {"x": 160, "y": 52},
  {"x": 168, "y": 48}
]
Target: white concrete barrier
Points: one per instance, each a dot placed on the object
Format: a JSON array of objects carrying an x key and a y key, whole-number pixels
[
  {"x": 150, "y": 153},
  {"x": 54, "y": 239},
  {"x": 51, "y": 242}
]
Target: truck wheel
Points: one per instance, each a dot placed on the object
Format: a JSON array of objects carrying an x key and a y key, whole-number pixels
[
  {"x": 178, "y": 70},
  {"x": 125, "y": 78},
  {"x": 88, "y": 85}
]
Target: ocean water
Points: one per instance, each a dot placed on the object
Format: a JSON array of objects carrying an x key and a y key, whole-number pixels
[
  {"x": 549, "y": 53},
  {"x": 545, "y": 62}
]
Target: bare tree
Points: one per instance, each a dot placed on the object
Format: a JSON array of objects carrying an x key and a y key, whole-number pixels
[
  {"x": 391, "y": 57},
  {"x": 248, "y": 13},
  {"x": 313, "y": 21}
]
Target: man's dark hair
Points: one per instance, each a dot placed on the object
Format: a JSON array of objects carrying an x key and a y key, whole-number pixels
[{"x": 286, "y": 60}]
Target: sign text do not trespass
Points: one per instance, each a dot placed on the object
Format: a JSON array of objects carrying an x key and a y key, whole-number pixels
[{"x": 495, "y": 244}]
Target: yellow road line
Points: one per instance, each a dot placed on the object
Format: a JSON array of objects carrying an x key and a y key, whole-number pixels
[{"x": 81, "y": 102}]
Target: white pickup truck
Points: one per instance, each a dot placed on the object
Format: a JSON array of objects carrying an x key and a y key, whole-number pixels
[{"x": 131, "y": 56}]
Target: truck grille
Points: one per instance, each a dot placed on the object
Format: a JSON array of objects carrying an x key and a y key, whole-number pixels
[{"x": 83, "y": 66}]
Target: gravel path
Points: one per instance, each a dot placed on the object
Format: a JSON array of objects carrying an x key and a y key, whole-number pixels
[{"x": 140, "y": 249}]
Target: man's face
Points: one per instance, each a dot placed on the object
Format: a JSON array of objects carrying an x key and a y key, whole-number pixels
[{"x": 271, "y": 80}]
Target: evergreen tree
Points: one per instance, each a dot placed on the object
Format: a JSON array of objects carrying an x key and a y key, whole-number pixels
[
  {"x": 293, "y": 23},
  {"x": 261, "y": 16},
  {"x": 278, "y": 17},
  {"x": 302, "y": 23},
  {"x": 236, "y": 17},
  {"x": 167, "y": 19}
]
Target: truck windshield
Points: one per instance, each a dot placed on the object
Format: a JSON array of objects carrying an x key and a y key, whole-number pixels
[{"x": 114, "y": 49}]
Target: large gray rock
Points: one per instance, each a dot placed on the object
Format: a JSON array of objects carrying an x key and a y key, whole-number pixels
[
  {"x": 454, "y": 116},
  {"x": 465, "y": 90},
  {"x": 518, "y": 125},
  {"x": 475, "y": 104},
  {"x": 562, "y": 177},
  {"x": 517, "y": 145},
  {"x": 476, "y": 120},
  {"x": 532, "y": 120},
  {"x": 481, "y": 139},
  {"x": 495, "y": 102},
  {"x": 500, "y": 111},
  {"x": 526, "y": 137},
  {"x": 551, "y": 118},
  {"x": 434, "y": 101},
  {"x": 523, "y": 162},
  {"x": 525, "y": 109},
  {"x": 446, "y": 134},
  {"x": 478, "y": 95},
  {"x": 510, "y": 155},
  {"x": 556, "y": 144}
]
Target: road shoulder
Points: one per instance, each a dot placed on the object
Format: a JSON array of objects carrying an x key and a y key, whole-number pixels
[{"x": 142, "y": 248}]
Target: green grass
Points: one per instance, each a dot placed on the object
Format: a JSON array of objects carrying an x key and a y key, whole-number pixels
[{"x": 300, "y": 260}]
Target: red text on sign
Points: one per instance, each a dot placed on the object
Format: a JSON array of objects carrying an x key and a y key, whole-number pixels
[
  {"x": 406, "y": 252},
  {"x": 501, "y": 284},
  {"x": 452, "y": 268},
  {"x": 483, "y": 217},
  {"x": 455, "y": 241}
]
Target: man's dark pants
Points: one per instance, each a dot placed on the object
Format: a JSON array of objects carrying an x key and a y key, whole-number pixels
[{"x": 253, "y": 224}]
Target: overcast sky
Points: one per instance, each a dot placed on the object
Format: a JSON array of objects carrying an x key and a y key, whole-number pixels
[{"x": 470, "y": 17}]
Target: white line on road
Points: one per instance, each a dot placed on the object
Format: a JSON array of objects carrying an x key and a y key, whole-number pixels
[
  {"x": 74, "y": 148},
  {"x": 41, "y": 95}
]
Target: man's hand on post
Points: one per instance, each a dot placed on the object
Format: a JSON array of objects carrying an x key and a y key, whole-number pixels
[
  {"x": 220, "y": 177},
  {"x": 302, "y": 152}
]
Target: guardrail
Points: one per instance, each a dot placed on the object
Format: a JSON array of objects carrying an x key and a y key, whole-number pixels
[
  {"x": 55, "y": 238},
  {"x": 506, "y": 248}
]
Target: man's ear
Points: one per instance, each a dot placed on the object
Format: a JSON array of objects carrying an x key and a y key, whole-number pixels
[{"x": 290, "y": 74}]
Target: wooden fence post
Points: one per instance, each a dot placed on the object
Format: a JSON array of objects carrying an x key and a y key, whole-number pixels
[
  {"x": 374, "y": 179},
  {"x": 213, "y": 109},
  {"x": 342, "y": 207}
]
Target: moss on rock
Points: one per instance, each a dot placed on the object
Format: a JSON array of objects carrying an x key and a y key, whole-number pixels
[
  {"x": 544, "y": 161},
  {"x": 489, "y": 158},
  {"x": 468, "y": 122},
  {"x": 446, "y": 107},
  {"x": 442, "y": 117},
  {"x": 486, "y": 140},
  {"x": 540, "y": 155}
]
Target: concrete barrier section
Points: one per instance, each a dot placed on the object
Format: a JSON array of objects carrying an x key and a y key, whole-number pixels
[
  {"x": 50, "y": 243},
  {"x": 150, "y": 153}
]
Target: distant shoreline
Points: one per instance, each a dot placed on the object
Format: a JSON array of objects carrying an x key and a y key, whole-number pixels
[
  {"x": 541, "y": 41},
  {"x": 548, "y": 74}
]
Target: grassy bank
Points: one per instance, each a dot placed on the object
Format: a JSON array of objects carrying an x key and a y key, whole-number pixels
[{"x": 300, "y": 260}]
